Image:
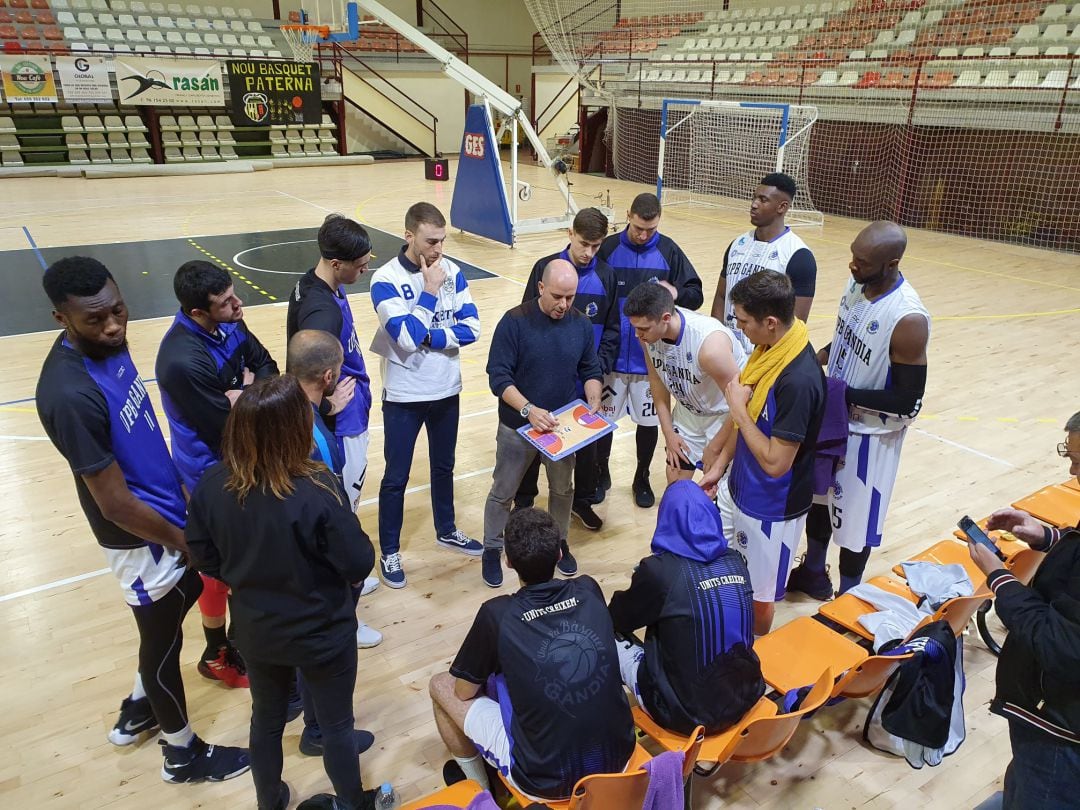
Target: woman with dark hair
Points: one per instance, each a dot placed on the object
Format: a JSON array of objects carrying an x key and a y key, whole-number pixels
[{"x": 275, "y": 526}]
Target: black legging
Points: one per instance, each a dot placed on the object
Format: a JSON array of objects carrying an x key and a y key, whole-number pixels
[
  {"x": 331, "y": 686},
  {"x": 161, "y": 635}
]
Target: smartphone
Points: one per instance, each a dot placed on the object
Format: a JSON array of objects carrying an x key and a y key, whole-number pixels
[{"x": 976, "y": 535}]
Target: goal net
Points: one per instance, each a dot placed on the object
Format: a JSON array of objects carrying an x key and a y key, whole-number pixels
[{"x": 714, "y": 153}]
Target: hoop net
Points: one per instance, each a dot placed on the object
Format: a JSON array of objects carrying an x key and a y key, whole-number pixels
[{"x": 303, "y": 38}]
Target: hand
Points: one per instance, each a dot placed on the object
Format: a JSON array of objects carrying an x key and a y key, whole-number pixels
[
  {"x": 670, "y": 288},
  {"x": 984, "y": 558},
  {"x": 822, "y": 357},
  {"x": 737, "y": 395},
  {"x": 249, "y": 377},
  {"x": 710, "y": 482},
  {"x": 434, "y": 276},
  {"x": 1021, "y": 524},
  {"x": 542, "y": 420},
  {"x": 342, "y": 395},
  {"x": 677, "y": 449},
  {"x": 593, "y": 403}
]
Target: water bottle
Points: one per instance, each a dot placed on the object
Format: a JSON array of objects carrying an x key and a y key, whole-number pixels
[{"x": 386, "y": 798}]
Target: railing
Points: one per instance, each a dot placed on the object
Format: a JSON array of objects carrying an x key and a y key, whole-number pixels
[
  {"x": 430, "y": 11},
  {"x": 558, "y": 101}
]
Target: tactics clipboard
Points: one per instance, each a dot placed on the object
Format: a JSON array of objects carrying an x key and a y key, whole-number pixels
[{"x": 577, "y": 428}]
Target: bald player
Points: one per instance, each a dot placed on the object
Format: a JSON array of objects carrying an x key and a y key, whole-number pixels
[
  {"x": 770, "y": 245},
  {"x": 879, "y": 352},
  {"x": 539, "y": 352}
]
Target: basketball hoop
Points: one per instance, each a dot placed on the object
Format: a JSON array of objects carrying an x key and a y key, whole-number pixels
[{"x": 303, "y": 38}]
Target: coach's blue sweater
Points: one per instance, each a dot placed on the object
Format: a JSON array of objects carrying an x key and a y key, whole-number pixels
[{"x": 542, "y": 357}]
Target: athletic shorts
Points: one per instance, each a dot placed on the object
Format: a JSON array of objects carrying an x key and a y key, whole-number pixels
[
  {"x": 628, "y": 393},
  {"x": 697, "y": 431},
  {"x": 768, "y": 547},
  {"x": 486, "y": 727},
  {"x": 355, "y": 468},
  {"x": 146, "y": 573},
  {"x": 862, "y": 488}
]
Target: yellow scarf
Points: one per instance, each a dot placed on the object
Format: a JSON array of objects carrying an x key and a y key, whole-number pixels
[{"x": 766, "y": 364}]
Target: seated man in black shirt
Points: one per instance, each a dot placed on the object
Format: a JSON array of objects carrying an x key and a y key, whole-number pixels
[
  {"x": 535, "y": 687},
  {"x": 694, "y": 597}
]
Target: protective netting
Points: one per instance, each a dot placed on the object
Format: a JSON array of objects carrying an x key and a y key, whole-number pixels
[
  {"x": 715, "y": 153},
  {"x": 956, "y": 115}
]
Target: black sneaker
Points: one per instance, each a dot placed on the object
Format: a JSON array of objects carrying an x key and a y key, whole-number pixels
[
  {"x": 567, "y": 565},
  {"x": 522, "y": 505},
  {"x": 328, "y": 801},
  {"x": 284, "y": 794},
  {"x": 815, "y": 584},
  {"x": 643, "y": 494},
  {"x": 583, "y": 511},
  {"x": 598, "y": 496},
  {"x": 491, "y": 565},
  {"x": 311, "y": 741},
  {"x": 136, "y": 718},
  {"x": 202, "y": 762},
  {"x": 452, "y": 773}
]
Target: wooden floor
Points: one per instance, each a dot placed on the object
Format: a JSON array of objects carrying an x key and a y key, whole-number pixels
[{"x": 1002, "y": 381}]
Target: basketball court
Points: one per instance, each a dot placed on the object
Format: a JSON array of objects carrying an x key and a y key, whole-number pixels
[{"x": 1002, "y": 381}]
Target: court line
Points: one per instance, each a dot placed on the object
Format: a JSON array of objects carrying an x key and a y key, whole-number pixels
[
  {"x": 48, "y": 586},
  {"x": 971, "y": 450},
  {"x": 305, "y": 202},
  {"x": 33, "y": 244},
  {"x": 24, "y": 438}
]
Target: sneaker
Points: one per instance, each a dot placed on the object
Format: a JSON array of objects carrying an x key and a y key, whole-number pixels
[
  {"x": 567, "y": 565},
  {"x": 391, "y": 571},
  {"x": 583, "y": 511},
  {"x": 491, "y": 564},
  {"x": 452, "y": 773},
  {"x": 815, "y": 584},
  {"x": 366, "y": 637},
  {"x": 328, "y": 801},
  {"x": 311, "y": 741},
  {"x": 643, "y": 494},
  {"x": 598, "y": 496},
  {"x": 228, "y": 667},
  {"x": 136, "y": 718},
  {"x": 284, "y": 794},
  {"x": 201, "y": 762},
  {"x": 457, "y": 540},
  {"x": 370, "y": 584}
]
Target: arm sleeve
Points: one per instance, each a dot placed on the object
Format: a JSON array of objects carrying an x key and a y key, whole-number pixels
[
  {"x": 322, "y": 315},
  {"x": 640, "y": 604},
  {"x": 684, "y": 278},
  {"x": 343, "y": 543},
  {"x": 502, "y": 356},
  {"x": 466, "y": 327},
  {"x": 407, "y": 326},
  {"x": 608, "y": 352},
  {"x": 531, "y": 289},
  {"x": 260, "y": 363},
  {"x": 802, "y": 270},
  {"x": 191, "y": 383},
  {"x": 204, "y": 554},
  {"x": 797, "y": 402},
  {"x": 478, "y": 657},
  {"x": 903, "y": 397},
  {"x": 588, "y": 365},
  {"x": 80, "y": 428},
  {"x": 1051, "y": 636}
]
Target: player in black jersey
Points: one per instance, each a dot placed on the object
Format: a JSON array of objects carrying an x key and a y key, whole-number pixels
[{"x": 535, "y": 687}]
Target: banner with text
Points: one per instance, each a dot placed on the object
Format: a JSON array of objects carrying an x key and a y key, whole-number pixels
[
  {"x": 265, "y": 93},
  {"x": 28, "y": 78},
  {"x": 84, "y": 78},
  {"x": 169, "y": 82}
]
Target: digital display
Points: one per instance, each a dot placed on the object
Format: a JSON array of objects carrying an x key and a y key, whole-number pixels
[{"x": 436, "y": 169}]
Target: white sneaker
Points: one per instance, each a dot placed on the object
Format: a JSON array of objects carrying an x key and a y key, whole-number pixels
[
  {"x": 367, "y": 637},
  {"x": 370, "y": 584}
]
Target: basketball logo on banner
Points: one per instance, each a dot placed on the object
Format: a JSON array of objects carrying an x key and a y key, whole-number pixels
[{"x": 256, "y": 107}]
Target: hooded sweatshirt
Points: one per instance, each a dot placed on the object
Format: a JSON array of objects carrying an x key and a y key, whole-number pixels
[{"x": 694, "y": 598}]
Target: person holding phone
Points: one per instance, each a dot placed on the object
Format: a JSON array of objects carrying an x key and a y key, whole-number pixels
[{"x": 1038, "y": 672}]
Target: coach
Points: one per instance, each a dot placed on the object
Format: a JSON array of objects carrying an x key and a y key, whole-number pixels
[{"x": 539, "y": 351}]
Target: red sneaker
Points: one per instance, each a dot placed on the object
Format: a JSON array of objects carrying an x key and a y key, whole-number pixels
[{"x": 227, "y": 667}]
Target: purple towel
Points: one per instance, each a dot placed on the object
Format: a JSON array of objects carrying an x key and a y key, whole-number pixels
[
  {"x": 832, "y": 438},
  {"x": 483, "y": 801},
  {"x": 665, "y": 782}
]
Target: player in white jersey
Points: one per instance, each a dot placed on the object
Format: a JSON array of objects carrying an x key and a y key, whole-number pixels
[
  {"x": 879, "y": 352},
  {"x": 770, "y": 245},
  {"x": 691, "y": 358}
]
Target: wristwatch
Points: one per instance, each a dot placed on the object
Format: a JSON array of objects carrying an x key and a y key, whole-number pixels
[{"x": 525, "y": 410}]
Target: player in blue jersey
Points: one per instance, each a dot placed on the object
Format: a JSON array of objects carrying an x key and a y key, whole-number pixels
[
  {"x": 96, "y": 411},
  {"x": 204, "y": 361},
  {"x": 597, "y": 299},
  {"x": 641, "y": 254},
  {"x": 319, "y": 302}
]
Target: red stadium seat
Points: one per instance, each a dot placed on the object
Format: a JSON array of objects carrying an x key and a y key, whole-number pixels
[
  {"x": 45, "y": 18},
  {"x": 18, "y": 4},
  {"x": 39, "y": 4},
  {"x": 8, "y": 32},
  {"x": 29, "y": 33},
  {"x": 24, "y": 18},
  {"x": 869, "y": 79}
]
